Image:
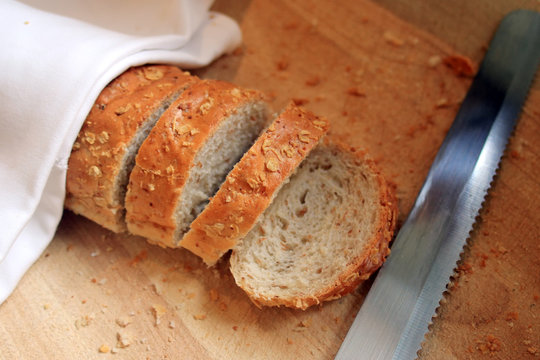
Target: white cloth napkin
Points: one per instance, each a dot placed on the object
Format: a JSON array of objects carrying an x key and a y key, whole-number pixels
[{"x": 54, "y": 62}]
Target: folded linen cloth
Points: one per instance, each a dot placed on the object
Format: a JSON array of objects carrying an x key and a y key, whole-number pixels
[{"x": 55, "y": 61}]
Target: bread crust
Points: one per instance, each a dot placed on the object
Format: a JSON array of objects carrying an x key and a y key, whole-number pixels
[
  {"x": 166, "y": 157},
  {"x": 118, "y": 113},
  {"x": 252, "y": 184},
  {"x": 364, "y": 265}
]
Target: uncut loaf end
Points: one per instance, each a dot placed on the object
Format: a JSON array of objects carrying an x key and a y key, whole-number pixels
[{"x": 104, "y": 152}]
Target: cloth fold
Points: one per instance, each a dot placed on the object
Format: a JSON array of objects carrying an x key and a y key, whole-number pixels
[{"x": 53, "y": 68}]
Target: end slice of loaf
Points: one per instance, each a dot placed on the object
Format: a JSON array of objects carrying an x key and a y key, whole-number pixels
[
  {"x": 104, "y": 152},
  {"x": 326, "y": 231},
  {"x": 187, "y": 156},
  {"x": 252, "y": 184}
]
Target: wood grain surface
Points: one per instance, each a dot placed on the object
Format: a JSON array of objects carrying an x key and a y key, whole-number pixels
[{"x": 376, "y": 71}]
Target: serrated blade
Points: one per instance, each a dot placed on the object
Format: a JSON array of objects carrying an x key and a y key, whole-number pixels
[{"x": 394, "y": 318}]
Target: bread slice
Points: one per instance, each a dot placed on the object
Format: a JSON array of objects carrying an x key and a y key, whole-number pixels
[
  {"x": 187, "y": 156},
  {"x": 252, "y": 184},
  {"x": 326, "y": 231},
  {"x": 104, "y": 152}
]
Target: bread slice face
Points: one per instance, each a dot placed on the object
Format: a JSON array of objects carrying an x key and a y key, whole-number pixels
[
  {"x": 104, "y": 152},
  {"x": 254, "y": 181},
  {"x": 327, "y": 230},
  {"x": 187, "y": 156}
]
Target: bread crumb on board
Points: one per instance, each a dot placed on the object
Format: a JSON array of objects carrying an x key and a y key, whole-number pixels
[
  {"x": 282, "y": 64},
  {"x": 214, "y": 295},
  {"x": 461, "y": 65},
  {"x": 123, "y": 321},
  {"x": 141, "y": 256},
  {"x": 354, "y": 91},
  {"x": 442, "y": 103},
  {"x": 300, "y": 101},
  {"x": 124, "y": 339},
  {"x": 302, "y": 325},
  {"x": 199, "y": 316},
  {"x": 489, "y": 345},
  {"x": 393, "y": 39},
  {"x": 158, "y": 311},
  {"x": 104, "y": 349},
  {"x": 434, "y": 60},
  {"x": 313, "y": 81},
  {"x": 83, "y": 321},
  {"x": 99, "y": 282},
  {"x": 512, "y": 316}
]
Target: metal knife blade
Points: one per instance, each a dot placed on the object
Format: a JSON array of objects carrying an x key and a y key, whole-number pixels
[{"x": 395, "y": 315}]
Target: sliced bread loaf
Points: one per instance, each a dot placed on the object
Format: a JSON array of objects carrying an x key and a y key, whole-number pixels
[
  {"x": 252, "y": 184},
  {"x": 187, "y": 155},
  {"x": 104, "y": 152},
  {"x": 326, "y": 231}
]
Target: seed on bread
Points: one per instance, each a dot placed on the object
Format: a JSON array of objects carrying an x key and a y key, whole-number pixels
[
  {"x": 288, "y": 150},
  {"x": 207, "y": 105},
  {"x": 215, "y": 229},
  {"x": 103, "y": 137},
  {"x": 253, "y": 183},
  {"x": 89, "y": 137},
  {"x": 181, "y": 129},
  {"x": 266, "y": 146},
  {"x": 303, "y": 136},
  {"x": 122, "y": 109},
  {"x": 161, "y": 86},
  {"x": 152, "y": 73},
  {"x": 272, "y": 164},
  {"x": 320, "y": 124},
  {"x": 94, "y": 171}
]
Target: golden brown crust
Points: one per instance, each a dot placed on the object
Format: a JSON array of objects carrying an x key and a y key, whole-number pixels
[
  {"x": 366, "y": 263},
  {"x": 164, "y": 160},
  {"x": 118, "y": 113},
  {"x": 252, "y": 184}
]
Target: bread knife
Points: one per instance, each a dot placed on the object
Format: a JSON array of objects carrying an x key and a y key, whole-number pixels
[{"x": 395, "y": 315}]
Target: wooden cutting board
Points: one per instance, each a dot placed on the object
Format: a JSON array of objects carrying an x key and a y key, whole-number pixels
[{"x": 382, "y": 82}]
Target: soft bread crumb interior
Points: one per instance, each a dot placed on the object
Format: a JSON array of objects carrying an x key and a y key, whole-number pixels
[
  {"x": 128, "y": 162},
  {"x": 318, "y": 223},
  {"x": 215, "y": 159}
]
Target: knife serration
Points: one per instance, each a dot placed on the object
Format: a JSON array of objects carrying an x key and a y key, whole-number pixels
[{"x": 395, "y": 315}]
